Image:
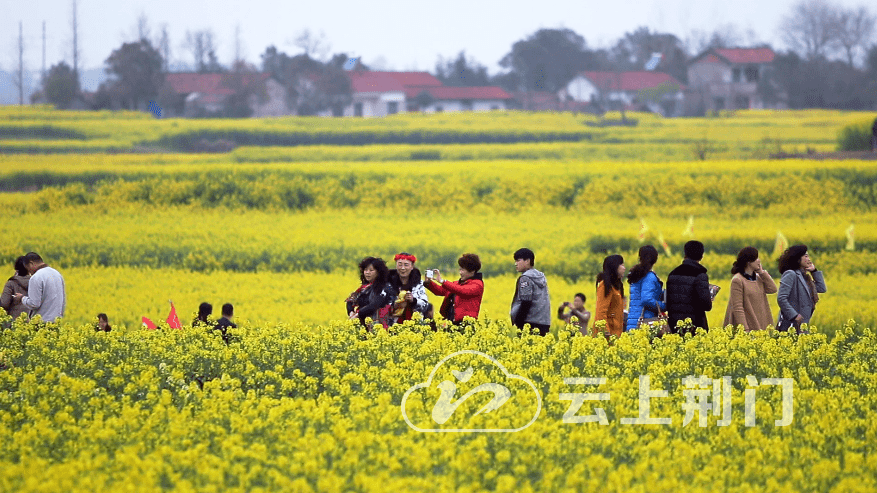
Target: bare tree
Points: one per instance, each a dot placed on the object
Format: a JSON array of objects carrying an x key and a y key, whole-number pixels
[
  {"x": 314, "y": 45},
  {"x": 164, "y": 47},
  {"x": 202, "y": 44},
  {"x": 143, "y": 29},
  {"x": 856, "y": 29},
  {"x": 195, "y": 44},
  {"x": 812, "y": 28},
  {"x": 724, "y": 36}
]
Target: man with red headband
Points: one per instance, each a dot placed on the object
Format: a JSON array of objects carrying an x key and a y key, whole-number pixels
[{"x": 406, "y": 279}]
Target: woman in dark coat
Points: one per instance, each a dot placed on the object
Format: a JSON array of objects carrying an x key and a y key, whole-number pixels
[
  {"x": 16, "y": 284},
  {"x": 374, "y": 298}
]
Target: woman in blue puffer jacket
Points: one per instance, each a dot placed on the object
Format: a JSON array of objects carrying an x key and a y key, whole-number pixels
[{"x": 646, "y": 290}]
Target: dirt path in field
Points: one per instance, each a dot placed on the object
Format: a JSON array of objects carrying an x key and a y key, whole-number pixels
[{"x": 821, "y": 156}]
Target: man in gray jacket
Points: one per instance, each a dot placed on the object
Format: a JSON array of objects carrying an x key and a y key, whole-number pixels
[
  {"x": 46, "y": 295},
  {"x": 531, "y": 304}
]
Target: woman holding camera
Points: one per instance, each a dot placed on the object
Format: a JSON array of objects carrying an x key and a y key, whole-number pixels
[
  {"x": 463, "y": 297},
  {"x": 577, "y": 316}
]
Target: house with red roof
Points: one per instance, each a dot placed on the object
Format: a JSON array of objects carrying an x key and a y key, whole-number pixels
[
  {"x": 436, "y": 99},
  {"x": 378, "y": 93},
  {"x": 197, "y": 94},
  {"x": 729, "y": 78},
  {"x": 639, "y": 90}
]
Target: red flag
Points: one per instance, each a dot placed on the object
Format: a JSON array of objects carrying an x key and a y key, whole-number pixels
[
  {"x": 149, "y": 324},
  {"x": 172, "y": 319}
]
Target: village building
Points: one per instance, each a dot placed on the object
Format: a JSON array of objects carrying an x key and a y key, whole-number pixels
[
  {"x": 378, "y": 93},
  {"x": 656, "y": 92},
  {"x": 732, "y": 78}
]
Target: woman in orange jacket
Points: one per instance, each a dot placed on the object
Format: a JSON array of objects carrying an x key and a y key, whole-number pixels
[{"x": 610, "y": 296}]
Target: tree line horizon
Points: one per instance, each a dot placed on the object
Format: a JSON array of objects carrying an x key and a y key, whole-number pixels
[{"x": 820, "y": 68}]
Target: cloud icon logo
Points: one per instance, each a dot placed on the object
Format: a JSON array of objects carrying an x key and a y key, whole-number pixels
[{"x": 467, "y": 404}]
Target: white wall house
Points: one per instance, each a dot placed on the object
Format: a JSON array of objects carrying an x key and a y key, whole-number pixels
[
  {"x": 376, "y": 103},
  {"x": 387, "y": 93},
  {"x": 655, "y": 91},
  {"x": 452, "y": 99},
  {"x": 383, "y": 93}
]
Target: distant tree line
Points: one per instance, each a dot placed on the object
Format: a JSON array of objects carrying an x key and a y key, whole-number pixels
[{"x": 831, "y": 63}]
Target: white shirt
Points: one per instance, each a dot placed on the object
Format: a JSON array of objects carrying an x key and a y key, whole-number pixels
[{"x": 45, "y": 294}]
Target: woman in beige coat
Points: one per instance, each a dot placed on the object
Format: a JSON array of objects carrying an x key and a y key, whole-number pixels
[{"x": 750, "y": 286}]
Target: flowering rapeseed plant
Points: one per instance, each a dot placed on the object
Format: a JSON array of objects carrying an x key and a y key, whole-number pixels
[{"x": 316, "y": 408}]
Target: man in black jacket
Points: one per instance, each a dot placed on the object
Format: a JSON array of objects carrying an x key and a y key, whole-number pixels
[
  {"x": 225, "y": 323},
  {"x": 688, "y": 290}
]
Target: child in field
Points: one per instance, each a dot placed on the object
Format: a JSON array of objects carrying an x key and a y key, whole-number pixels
[{"x": 103, "y": 324}]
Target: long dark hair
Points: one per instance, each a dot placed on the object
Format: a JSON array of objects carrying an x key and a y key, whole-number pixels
[
  {"x": 379, "y": 265},
  {"x": 746, "y": 255},
  {"x": 648, "y": 256},
  {"x": 609, "y": 276},
  {"x": 20, "y": 269},
  {"x": 103, "y": 316},
  {"x": 791, "y": 258},
  {"x": 204, "y": 310}
]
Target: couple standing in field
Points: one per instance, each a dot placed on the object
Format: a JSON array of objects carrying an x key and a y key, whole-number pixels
[{"x": 34, "y": 289}]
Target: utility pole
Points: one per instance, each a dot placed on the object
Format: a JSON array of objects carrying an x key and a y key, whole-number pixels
[
  {"x": 20, "y": 78},
  {"x": 237, "y": 47},
  {"x": 43, "y": 73},
  {"x": 75, "y": 45}
]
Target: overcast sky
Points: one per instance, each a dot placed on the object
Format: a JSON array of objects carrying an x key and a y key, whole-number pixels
[{"x": 392, "y": 34}]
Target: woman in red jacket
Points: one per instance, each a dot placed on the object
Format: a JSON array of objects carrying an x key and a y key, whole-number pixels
[{"x": 463, "y": 297}]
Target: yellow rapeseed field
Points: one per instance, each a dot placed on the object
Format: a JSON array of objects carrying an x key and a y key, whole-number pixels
[{"x": 302, "y": 400}]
